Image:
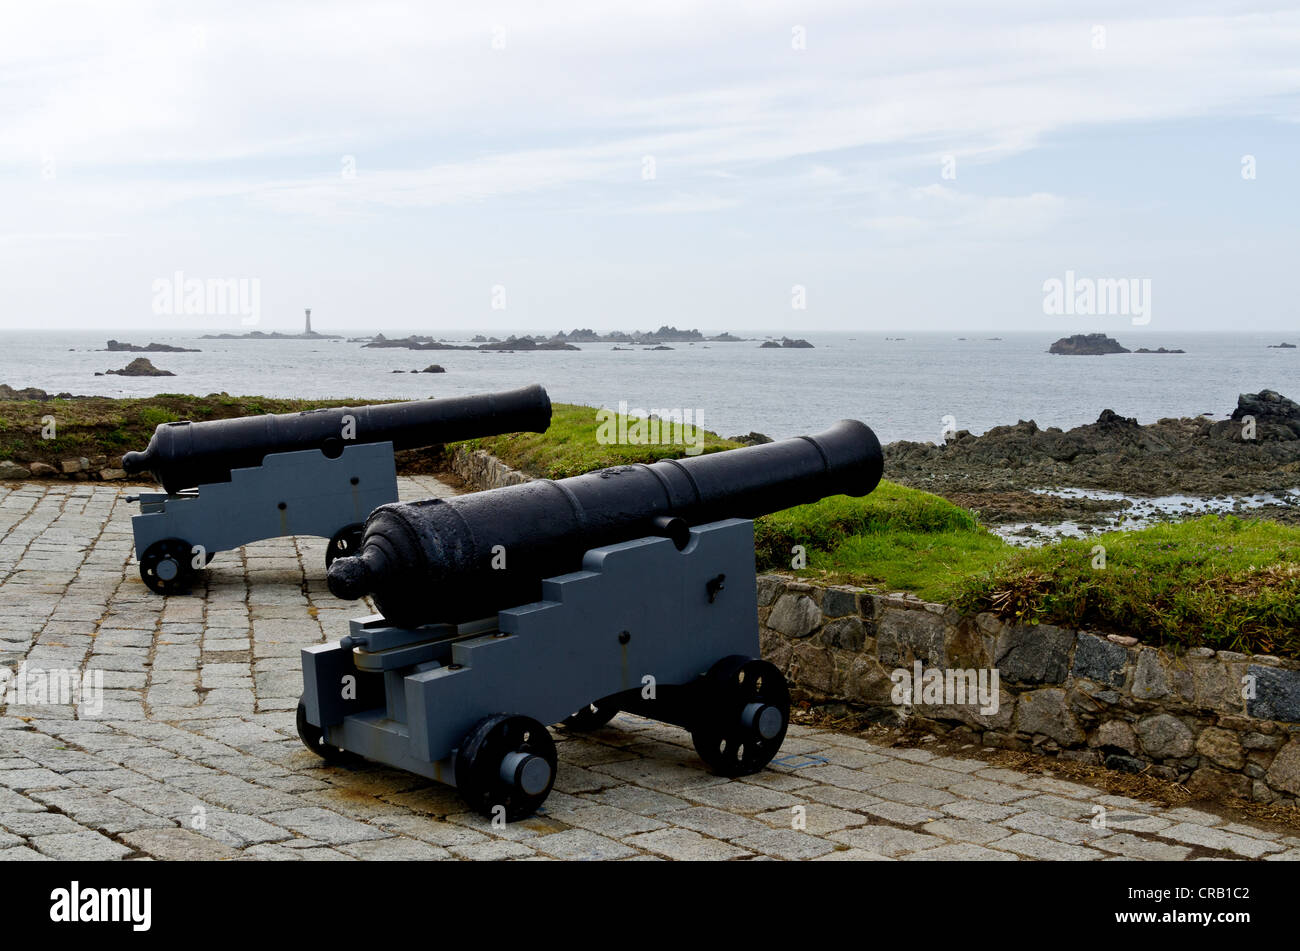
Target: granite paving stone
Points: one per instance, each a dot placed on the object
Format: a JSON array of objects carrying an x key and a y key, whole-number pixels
[{"x": 195, "y": 756}]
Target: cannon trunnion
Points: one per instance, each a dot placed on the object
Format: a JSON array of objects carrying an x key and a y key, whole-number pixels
[{"x": 503, "y": 612}]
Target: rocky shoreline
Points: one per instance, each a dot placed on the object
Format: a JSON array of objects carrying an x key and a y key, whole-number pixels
[{"x": 1256, "y": 450}]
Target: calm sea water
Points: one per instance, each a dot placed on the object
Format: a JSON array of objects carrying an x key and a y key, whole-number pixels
[{"x": 903, "y": 389}]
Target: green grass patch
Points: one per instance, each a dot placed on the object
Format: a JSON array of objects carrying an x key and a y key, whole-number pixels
[
  {"x": 894, "y": 539},
  {"x": 1224, "y": 583},
  {"x": 154, "y": 416},
  {"x": 105, "y": 426},
  {"x": 571, "y": 446}
]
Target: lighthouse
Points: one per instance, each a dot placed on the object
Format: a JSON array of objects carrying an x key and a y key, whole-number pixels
[{"x": 308, "y": 330}]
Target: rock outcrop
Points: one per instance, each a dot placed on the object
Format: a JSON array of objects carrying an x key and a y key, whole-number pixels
[
  {"x": 117, "y": 346},
  {"x": 558, "y": 341},
  {"x": 526, "y": 344},
  {"x": 7, "y": 392},
  {"x": 380, "y": 342},
  {"x": 1087, "y": 345},
  {"x": 140, "y": 366},
  {"x": 751, "y": 439},
  {"x": 786, "y": 344},
  {"x": 1275, "y": 416},
  {"x": 1194, "y": 455}
]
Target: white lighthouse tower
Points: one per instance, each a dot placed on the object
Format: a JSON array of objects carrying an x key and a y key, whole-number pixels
[{"x": 308, "y": 330}]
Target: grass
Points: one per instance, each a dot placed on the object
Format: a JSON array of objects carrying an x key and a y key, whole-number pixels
[
  {"x": 1219, "y": 582},
  {"x": 895, "y": 539},
  {"x": 571, "y": 446},
  {"x": 105, "y": 426}
]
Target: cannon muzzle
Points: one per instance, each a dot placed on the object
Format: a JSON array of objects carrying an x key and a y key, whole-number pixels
[
  {"x": 185, "y": 454},
  {"x": 468, "y": 557}
]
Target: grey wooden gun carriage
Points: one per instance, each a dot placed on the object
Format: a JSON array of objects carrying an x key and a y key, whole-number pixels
[
  {"x": 229, "y": 482},
  {"x": 566, "y": 601}
]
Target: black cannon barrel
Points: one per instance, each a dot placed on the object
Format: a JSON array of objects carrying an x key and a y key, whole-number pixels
[
  {"x": 442, "y": 560},
  {"x": 185, "y": 454}
]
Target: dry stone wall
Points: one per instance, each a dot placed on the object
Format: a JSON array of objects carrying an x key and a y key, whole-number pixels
[
  {"x": 1223, "y": 723},
  {"x": 482, "y": 470}
]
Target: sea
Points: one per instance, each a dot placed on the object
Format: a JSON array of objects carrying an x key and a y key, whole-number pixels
[{"x": 905, "y": 386}]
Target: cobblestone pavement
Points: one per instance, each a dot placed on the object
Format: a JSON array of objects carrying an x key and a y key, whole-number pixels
[{"x": 195, "y": 754}]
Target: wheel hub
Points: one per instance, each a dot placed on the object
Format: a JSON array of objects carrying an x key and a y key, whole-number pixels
[
  {"x": 530, "y": 774},
  {"x": 165, "y": 566},
  {"x": 764, "y": 719},
  {"x": 742, "y": 717},
  {"x": 506, "y": 763}
]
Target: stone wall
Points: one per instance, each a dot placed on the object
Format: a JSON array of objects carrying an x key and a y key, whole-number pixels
[
  {"x": 478, "y": 468},
  {"x": 482, "y": 470},
  {"x": 80, "y": 468},
  {"x": 1223, "y": 723}
]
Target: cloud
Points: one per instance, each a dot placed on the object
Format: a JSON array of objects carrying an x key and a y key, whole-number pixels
[
  {"x": 227, "y": 134},
  {"x": 242, "y": 92}
]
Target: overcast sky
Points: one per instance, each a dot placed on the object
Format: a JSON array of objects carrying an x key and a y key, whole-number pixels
[{"x": 537, "y": 166}]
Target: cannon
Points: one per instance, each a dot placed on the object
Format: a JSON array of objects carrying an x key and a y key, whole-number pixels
[
  {"x": 631, "y": 589},
  {"x": 229, "y": 482}
]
